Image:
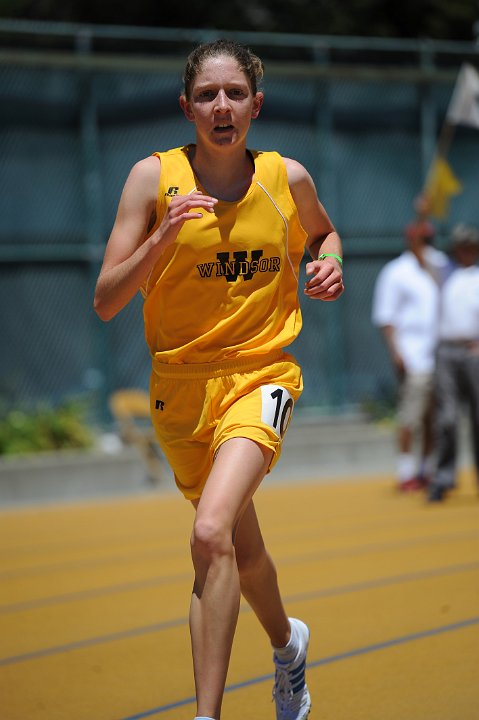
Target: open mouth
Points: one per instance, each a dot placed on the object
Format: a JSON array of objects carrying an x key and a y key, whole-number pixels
[{"x": 223, "y": 128}]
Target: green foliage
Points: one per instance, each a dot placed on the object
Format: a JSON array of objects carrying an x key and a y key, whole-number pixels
[
  {"x": 408, "y": 19},
  {"x": 45, "y": 429},
  {"x": 380, "y": 410}
]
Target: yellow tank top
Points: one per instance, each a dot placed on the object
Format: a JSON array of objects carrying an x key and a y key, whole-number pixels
[{"x": 228, "y": 287}]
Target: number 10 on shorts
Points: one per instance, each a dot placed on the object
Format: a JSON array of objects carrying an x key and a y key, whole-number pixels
[{"x": 277, "y": 407}]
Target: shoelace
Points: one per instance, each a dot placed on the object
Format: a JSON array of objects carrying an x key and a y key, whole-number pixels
[{"x": 283, "y": 691}]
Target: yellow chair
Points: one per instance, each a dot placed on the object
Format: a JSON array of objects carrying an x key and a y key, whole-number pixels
[{"x": 131, "y": 409}]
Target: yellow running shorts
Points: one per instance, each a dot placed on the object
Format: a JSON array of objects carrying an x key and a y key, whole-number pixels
[{"x": 195, "y": 408}]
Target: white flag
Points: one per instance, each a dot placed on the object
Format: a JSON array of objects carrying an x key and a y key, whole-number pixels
[{"x": 464, "y": 104}]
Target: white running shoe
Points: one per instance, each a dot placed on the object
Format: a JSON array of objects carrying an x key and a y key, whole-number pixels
[{"x": 290, "y": 691}]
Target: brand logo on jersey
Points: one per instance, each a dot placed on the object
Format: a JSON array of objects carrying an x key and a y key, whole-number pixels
[
  {"x": 172, "y": 191},
  {"x": 231, "y": 266},
  {"x": 159, "y": 405}
]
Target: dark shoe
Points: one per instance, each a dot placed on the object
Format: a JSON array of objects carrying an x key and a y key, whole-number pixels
[{"x": 437, "y": 493}]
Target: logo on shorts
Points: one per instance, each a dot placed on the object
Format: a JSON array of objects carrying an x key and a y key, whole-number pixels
[
  {"x": 159, "y": 405},
  {"x": 172, "y": 191},
  {"x": 231, "y": 266}
]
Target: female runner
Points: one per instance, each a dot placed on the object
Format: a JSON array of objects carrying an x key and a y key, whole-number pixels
[{"x": 212, "y": 234}]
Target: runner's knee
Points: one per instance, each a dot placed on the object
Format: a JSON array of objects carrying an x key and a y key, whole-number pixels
[{"x": 210, "y": 540}]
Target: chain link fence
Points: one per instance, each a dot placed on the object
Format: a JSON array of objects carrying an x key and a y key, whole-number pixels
[{"x": 75, "y": 119}]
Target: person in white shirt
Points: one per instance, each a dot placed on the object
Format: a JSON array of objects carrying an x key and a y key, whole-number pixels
[
  {"x": 406, "y": 309},
  {"x": 457, "y": 366}
]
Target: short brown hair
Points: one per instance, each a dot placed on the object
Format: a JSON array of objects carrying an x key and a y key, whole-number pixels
[{"x": 248, "y": 62}]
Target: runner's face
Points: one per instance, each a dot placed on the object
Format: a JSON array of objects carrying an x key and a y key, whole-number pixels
[{"x": 221, "y": 102}]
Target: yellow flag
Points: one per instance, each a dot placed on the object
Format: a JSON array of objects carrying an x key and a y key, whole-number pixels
[{"x": 441, "y": 185}]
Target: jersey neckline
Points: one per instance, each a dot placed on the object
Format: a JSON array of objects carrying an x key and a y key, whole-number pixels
[{"x": 198, "y": 186}]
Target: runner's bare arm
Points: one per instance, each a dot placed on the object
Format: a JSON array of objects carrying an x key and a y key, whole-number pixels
[
  {"x": 129, "y": 258},
  {"x": 326, "y": 281}
]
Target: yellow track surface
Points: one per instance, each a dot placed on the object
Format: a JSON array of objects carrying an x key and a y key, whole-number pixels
[{"x": 94, "y": 604}]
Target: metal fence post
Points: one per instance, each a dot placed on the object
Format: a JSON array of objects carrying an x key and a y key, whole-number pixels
[
  {"x": 98, "y": 377},
  {"x": 327, "y": 179},
  {"x": 428, "y": 111}
]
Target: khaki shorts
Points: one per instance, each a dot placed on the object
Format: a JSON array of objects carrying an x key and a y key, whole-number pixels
[
  {"x": 196, "y": 408},
  {"x": 415, "y": 399}
]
